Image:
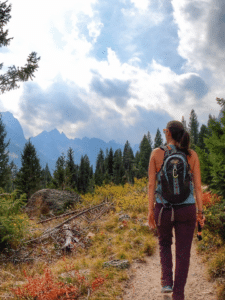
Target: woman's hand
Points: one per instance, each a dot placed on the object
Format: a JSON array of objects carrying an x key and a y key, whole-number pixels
[
  {"x": 151, "y": 219},
  {"x": 201, "y": 219}
]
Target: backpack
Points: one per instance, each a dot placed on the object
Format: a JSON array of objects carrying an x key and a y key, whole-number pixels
[{"x": 175, "y": 176}]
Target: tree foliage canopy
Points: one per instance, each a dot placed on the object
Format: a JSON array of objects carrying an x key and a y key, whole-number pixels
[{"x": 10, "y": 79}]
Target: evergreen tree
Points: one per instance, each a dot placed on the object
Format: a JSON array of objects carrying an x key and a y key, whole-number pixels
[
  {"x": 4, "y": 156},
  {"x": 85, "y": 175},
  {"x": 158, "y": 139},
  {"x": 118, "y": 169},
  {"x": 108, "y": 166},
  {"x": 136, "y": 164},
  {"x": 12, "y": 170},
  {"x": 10, "y": 79},
  {"x": 149, "y": 139},
  {"x": 204, "y": 132},
  {"x": 71, "y": 170},
  {"x": 28, "y": 178},
  {"x": 46, "y": 176},
  {"x": 59, "y": 175},
  {"x": 145, "y": 152},
  {"x": 216, "y": 145},
  {"x": 110, "y": 163},
  {"x": 184, "y": 123},
  {"x": 193, "y": 129},
  {"x": 128, "y": 162},
  {"x": 100, "y": 168}
]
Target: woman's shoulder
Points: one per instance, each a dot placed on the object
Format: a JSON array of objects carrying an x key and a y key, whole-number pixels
[
  {"x": 193, "y": 156},
  {"x": 193, "y": 153}
]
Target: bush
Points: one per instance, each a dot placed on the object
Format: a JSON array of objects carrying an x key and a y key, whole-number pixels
[
  {"x": 215, "y": 219},
  {"x": 12, "y": 222}
]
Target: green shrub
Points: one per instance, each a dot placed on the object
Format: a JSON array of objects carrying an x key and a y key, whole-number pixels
[
  {"x": 217, "y": 265},
  {"x": 215, "y": 219},
  {"x": 12, "y": 222}
]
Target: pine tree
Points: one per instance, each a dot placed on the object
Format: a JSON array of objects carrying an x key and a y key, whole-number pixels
[
  {"x": 4, "y": 156},
  {"x": 108, "y": 166},
  {"x": 71, "y": 170},
  {"x": 59, "y": 175},
  {"x": 46, "y": 177},
  {"x": 193, "y": 129},
  {"x": 100, "y": 168},
  {"x": 12, "y": 171},
  {"x": 158, "y": 139},
  {"x": 149, "y": 139},
  {"x": 145, "y": 151},
  {"x": 136, "y": 164},
  {"x": 10, "y": 79},
  {"x": 128, "y": 162},
  {"x": 85, "y": 175},
  {"x": 216, "y": 145},
  {"x": 184, "y": 123},
  {"x": 28, "y": 178},
  {"x": 204, "y": 132},
  {"x": 118, "y": 169}
]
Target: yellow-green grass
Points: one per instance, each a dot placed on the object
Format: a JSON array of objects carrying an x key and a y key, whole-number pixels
[{"x": 112, "y": 239}]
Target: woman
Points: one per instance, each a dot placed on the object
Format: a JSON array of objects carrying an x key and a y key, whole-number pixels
[{"x": 184, "y": 214}]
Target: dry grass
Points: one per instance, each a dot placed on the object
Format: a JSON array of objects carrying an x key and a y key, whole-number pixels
[{"x": 110, "y": 239}]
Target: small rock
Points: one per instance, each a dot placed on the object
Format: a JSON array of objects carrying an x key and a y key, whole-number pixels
[
  {"x": 120, "y": 264},
  {"x": 123, "y": 217}
]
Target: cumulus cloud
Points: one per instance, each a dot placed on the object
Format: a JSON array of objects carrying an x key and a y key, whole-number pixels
[
  {"x": 56, "y": 107},
  {"x": 125, "y": 66},
  {"x": 117, "y": 90},
  {"x": 185, "y": 87},
  {"x": 201, "y": 32}
]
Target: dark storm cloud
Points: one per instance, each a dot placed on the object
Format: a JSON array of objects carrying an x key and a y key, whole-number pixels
[
  {"x": 196, "y": 85},
  {"x": 193, "y": 84},
  {"x": 56, "y": 106},
  {"x": 117, "y": 90}
]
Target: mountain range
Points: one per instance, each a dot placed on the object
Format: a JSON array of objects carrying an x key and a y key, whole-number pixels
[{"x": 50, "y": 145}]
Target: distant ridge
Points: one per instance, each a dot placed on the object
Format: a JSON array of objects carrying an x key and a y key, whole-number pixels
[{"x": 50, "y": 145}]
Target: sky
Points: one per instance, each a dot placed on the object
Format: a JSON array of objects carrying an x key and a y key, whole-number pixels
[{"x": 115, "y": 69}]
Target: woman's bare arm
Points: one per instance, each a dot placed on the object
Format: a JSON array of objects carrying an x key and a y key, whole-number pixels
[{"x": 197, "y": 183}]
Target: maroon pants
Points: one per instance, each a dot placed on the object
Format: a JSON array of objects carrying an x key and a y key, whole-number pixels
[{"x": 184, "y": 225}]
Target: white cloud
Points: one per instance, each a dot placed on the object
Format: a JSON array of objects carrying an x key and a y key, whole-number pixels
[
  {"x": 201, "y": 32},
  {"x": 141, "y": 4},
  {"x": 53, "y": 31},
  {"x": 95, "y": 29}
]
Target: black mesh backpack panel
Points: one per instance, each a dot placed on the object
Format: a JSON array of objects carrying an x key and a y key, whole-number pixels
[{"x": 175, "y": 176}]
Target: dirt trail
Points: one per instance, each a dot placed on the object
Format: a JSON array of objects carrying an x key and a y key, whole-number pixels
[{"x": 144, "y": 283}]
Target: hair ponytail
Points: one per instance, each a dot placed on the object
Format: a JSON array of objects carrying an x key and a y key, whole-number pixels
[
  {"x": 184, "y": 143},
  {"x": 180, "y": 135}
]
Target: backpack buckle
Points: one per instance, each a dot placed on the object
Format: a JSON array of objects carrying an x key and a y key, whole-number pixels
[{"x": 175, "y": 175}]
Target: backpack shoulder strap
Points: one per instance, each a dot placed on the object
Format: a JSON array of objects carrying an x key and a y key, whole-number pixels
[{"x": 165, "y": 148}]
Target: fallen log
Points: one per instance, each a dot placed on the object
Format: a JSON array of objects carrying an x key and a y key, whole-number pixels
[
  {"x": 58, "y": 217},
  {"x": 49, "y": 231}
]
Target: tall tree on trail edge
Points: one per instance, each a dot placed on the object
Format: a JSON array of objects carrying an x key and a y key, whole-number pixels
[
  {"x": 144, "y": 155},
  {"x": 10, "y": 79},
  {"x": 193, "y": 129},
  {"x": 4, "y": 156},
  {"x": 28, "y": 179},
  {"x": 158, "y": 139}
]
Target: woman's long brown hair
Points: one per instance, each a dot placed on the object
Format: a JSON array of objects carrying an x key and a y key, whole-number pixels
[{"x": 180, "y": 135}]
